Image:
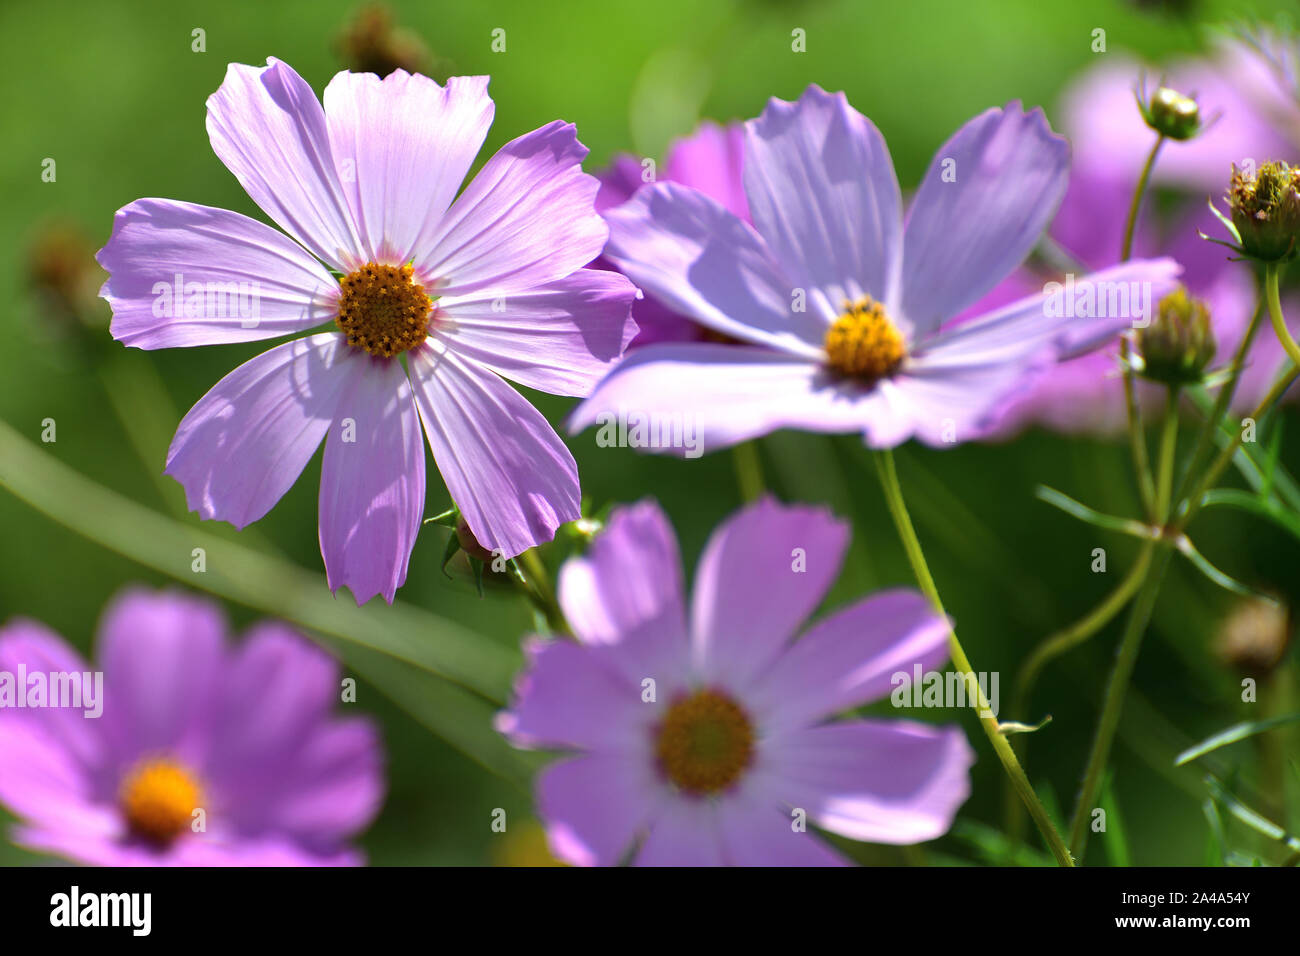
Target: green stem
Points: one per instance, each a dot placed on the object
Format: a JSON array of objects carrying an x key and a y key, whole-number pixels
[
  {"x": 1168, "y": 444},
  {"x": 1222, "y": 400},
  {"x": 1271, "y": 273},
  {"x": 1130, "y": 643},
  {"x": 749, "y": 470},
  {"x": 916, "y": 557},
  {"x": 1137, "y": 441},
  {"x": 542, "y": 593},
  {"x": 1116, "y": 688}
]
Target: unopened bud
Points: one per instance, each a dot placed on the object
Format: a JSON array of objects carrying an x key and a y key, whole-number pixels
[
  {"x": 1171, "y": 114},
  {"x": 1254, "y": 637},
  {"x": 1265, "y": 211},
  {"x": 1178, "y": 345}
]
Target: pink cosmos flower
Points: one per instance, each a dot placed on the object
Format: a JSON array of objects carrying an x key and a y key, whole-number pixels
[
  {"x": 844, "y": 309},
  {"x": 468, "y": 288},
  {"x": 706, "y": 737},
  {"x": 708, "y": 160},
  {"x": 186, "y": 723}
]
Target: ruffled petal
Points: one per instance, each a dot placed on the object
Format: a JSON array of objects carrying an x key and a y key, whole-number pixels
[
  {"x": 372, "y": 480},
  {"x": 182, "y": 274},
  {"x": 506, "y": 469},
  {"x": 691, "y": 398},
  {"x": 850, "y": 659},
  {"x": 990, "y": 192},
  {"x": 761, "y": 575},
  {"x": 244, "y": 444},
  {"x": 267, "y": 126},
  {"x": 562, "y": 337},
  {"x": 824, "y": 196},
  {"x": 402, "y": 147},
  {"x": 693, "y": 255},
  {"x": 886, "y": 781},
  {"x": 527, "y": 218}
]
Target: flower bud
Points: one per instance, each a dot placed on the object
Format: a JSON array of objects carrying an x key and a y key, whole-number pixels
[
  {"x": 1171, "y": 114},
  {"x": 469, "y": 544},
  {"x": 1178, "y": 345},
  {"x": 1265, "y": 211},
  {"x": 1254, "y": 637},
  {"x": 373, "y": 43}
]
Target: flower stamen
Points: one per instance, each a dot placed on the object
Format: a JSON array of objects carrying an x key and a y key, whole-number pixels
[
  {"x": 863, "y": 343},
  {"x": 383, "y": 310},
  {"x": 704, "y": 743},
  {"x": 159, "y": 799}
]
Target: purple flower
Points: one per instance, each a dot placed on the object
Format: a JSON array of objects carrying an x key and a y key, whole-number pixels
[
  {"x": 708, "y": 160},
  {"x": 707, "y": 739},
  {"x": 843, "y": 309},
  {"x": 1086, "y": 394},
  {"x": 186, "y": 723},
  {"x": 471, "y": 287}
]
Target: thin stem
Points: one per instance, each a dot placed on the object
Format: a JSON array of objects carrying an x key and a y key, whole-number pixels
[
  {"x": 749, "y": 470},
  {"x": 1130, "y": 643},
  {"x": 542, "y": 594},
  {"x": 1222, "y": 400},
  {"x": 916, "y": 557},
  {"x": 1271, "y": 272},
  {"x": 1137, "y": 441},
  {"x": 1116, "y": 688},
  {"x": 1130, "y": 225},
  {"x": 1168, "y": 444},
  {"x": 1060, "y": 643}
]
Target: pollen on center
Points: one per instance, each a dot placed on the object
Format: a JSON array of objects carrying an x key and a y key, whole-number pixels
[
  {"x": 705, "y": 743},
  {"x": 863, "y": 343},
  {"x": 383, "y": 310},
  {"x": 158, "y": 799}
]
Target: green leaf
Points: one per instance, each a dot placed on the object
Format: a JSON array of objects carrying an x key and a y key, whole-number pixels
[
  {"x": 995, "y": 847},
  {"x": 1264, "y": 507},
  {"x": 1114, "y": 839},
  {"x": 1090, "y": 515},
  {"x": 1008, "y": 727},
  {"x": 1198, "y": 561},
  {"x": 1232, "y": 735},
  {"x": 1216, "y": 849},
  {"x": 1256, "y": 821}
]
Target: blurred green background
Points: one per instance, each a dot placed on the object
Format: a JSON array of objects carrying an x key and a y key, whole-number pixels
[{"x": 113, "y": 92}]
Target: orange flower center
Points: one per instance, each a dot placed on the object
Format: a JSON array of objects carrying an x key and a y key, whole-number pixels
[
  {"x": 383, "y": 310},
  {"x": 159, "y": 799},
  {"x": 862, "y": 343},
  {"x": 705, "y": 743}
]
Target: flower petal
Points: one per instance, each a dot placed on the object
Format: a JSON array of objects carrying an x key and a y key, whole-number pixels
[
  {"x": 561, "y": 337},
  {"x": 759, "y": 832},
  {"x": 37, "y": 649},
  {"x": 686, "y": 833},
  {"x": 372, "y": 480},
  {"x": 182, "y": 274},
  {"x": 506, "y": 469},
  {"x": 43, "y": 782},
  {"x": 887, "y": 781},
  {"x": 694, "y": 256},
  {"x": 965, "y": 234},
  {"x": 761, "y": 575},
  {"x": 595, "y": 807},
  {"x": 692, "y": 398},
  {"x": 163, "y": 656},
  {"x": 402, "y": 146},
  {"x": 527, "y": 218},
  {"x": 850, "y": 659},
  {"x": 626, "y": 594},
  {"x": 267, "y": 126},
  {"x": 711, "y": 160},
  {"x": 570, "y": 697},
  {"x": 245, "y": 442},
  {"x": 824, "y": 196}
]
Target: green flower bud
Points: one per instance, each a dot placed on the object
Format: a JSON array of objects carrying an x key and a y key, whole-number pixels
[
  {"x": 1171, "y": 114},
  {"x": 1178, "y": 345},
  {"x": 1265, "y": 211}
]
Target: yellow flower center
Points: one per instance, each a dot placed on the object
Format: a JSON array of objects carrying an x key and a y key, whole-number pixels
[
  {"x": 383, "y": 309},
  {"x": 705, "y": 743},
  {"x": 862, "y": 343},
  {"x": 159, "y": 800}
]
